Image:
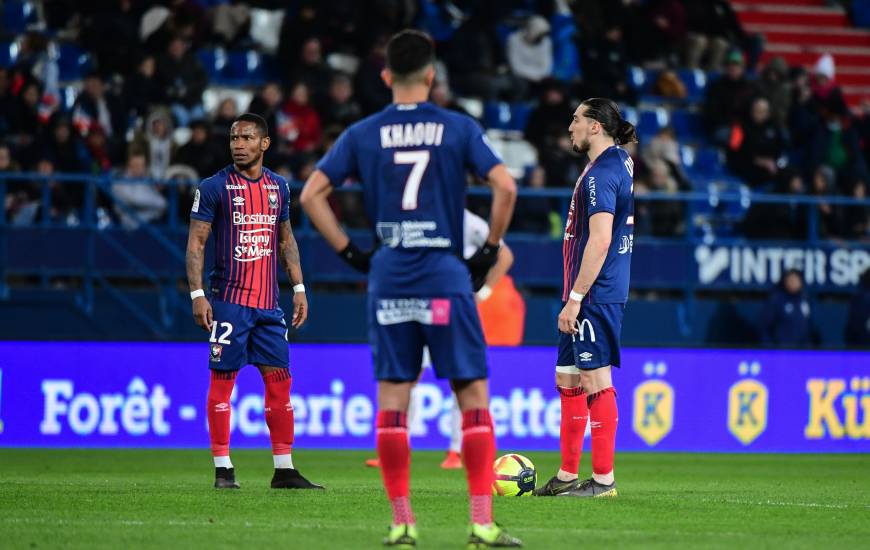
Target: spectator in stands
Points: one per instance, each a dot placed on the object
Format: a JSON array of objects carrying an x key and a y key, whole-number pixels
[
  {"x": 530, "y": 50},
  {"x": 141, "y": 89},
  {"x": 836, "y": 143},
  {"x": 786, "y": 320},
  {"x": 341, "y": 109},
  {"x": 662, "y": 218},
  {"x": 479, "y": 74},
  {"x": 18, "y": 194},
  {"x": 226, "y": 113},
  {"x": 24, "y": 124},
  {"x": 201, "y": 152},
  {"x": 155, "y": 142},
  {"x": 312, "y": 70},
  {"x": 305, "y": 120},
  {"x": 668, "y": 26},
  {"x": 775, "y": 86},
  {"x": 372, "y": 93},
  {"x": 605, "y": 64},
  {"x": 712, "y": 27},
  {"x": 857, "y": 332},
  {"x": 561, "y": 165},
  {"x": 826, "y": 92},
  {"x": 727, "y": 99},
  {"x": 757, "y": 146},
  {"x": 139, "y": 200},
  {"x": 95, "y": 107},
  {"x": 267, "y": 103},
  {"x": 669, "y": 85},
  {"x": 111, "y": 33},
  {"x": 664, "y": 147},
  {"x": 779, "y": 220},
  {"x": 183, "y": 79},
  {"x": 34, "y": 60},
  {"x": 856, "y": 220},
  {"x": 546, "y": 122},
  {"x": 7, "y": 101},
  {"x": 63, "y": 147},
  {"x": 231, "y": 22},
  {"x": 803, "y": 116},
  {"x": 830, "y": 217}
]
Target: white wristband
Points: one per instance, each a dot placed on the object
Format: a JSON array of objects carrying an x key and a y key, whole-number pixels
[
  {"x": 484, "y": 292},
  {"x": 576, "y": 296},
  {"x": 198, "y": 293},
  {"x": 299, "y": 288}
]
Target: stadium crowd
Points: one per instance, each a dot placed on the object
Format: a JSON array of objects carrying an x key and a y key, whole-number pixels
[{"x": 137, "y": 109}]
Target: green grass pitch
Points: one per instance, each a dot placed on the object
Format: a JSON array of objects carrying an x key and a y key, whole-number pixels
[{"x": 164, "y": 499}]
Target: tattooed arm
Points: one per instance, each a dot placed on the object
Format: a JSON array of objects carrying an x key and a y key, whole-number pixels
[
  {"x": 288, "y": 254},
  {"x": 194, "y": 260}
]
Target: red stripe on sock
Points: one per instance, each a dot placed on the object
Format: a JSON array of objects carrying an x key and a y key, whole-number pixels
[
  {"x": 574, "y": 415},
  {"x": 604, "y": 417},
  {"x": 218, "y": 411}
]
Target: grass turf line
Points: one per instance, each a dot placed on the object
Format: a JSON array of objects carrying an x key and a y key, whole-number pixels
[{"x": 164, "y": 499}]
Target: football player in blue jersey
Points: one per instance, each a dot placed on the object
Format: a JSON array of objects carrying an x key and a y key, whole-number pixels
[
  {"x": 596, "y": 254},
  {"x": 412, "y": 160}
]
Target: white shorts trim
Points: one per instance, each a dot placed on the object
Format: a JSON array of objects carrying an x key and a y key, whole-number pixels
[{"x": 567, "y": 369}]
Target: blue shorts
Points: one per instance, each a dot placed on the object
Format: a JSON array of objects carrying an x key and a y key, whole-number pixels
[
  {"x": 399, "y": 328},
  {"x": 597, "y": 344},
  {"x": 245, "y": 335}
]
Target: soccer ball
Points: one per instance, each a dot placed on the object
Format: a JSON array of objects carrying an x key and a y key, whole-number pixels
[{"x": 514, "y": 476}]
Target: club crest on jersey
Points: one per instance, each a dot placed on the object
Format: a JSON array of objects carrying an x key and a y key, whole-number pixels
[
  {"x": 215, "y": 352},
  {"x": 273, "y": 200}
]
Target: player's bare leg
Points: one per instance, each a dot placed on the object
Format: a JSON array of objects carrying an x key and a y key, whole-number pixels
[
  {"x": 572, "y": 428},
  {"x": 603, "y": 415},
  {"x": 453, "y": 460},
  {"x": 394, "y": 454},
  {"x": 218, "y": 413},
  {"x": 279, "y": 419},
  {"x": 478, "y": 450}
]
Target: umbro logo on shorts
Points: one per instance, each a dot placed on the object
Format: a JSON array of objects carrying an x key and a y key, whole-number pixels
[{"x": 585, "y": 357}]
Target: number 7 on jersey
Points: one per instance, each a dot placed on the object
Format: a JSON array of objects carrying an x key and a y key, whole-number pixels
[{"x": 420, "y": 160}]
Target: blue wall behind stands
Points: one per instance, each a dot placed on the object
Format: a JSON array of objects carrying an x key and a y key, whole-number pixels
[{"x": 340, "y": 317}]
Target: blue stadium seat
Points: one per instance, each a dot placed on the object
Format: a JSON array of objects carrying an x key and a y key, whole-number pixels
[
  {"x": 708, "y": 162},
  {"x": 506, "y": 116},
  {"x": 17, "y": 15},
  {"x": 214, "y": 61},
  {"x": 695, "y": 81},
  {"x": 8, "y": 53},
  {"x": 688, "y": 125},
  {"x": 245, "y": 67},
  {"x": 73, "y": 62},
  {"x": 650, "y": 121}
]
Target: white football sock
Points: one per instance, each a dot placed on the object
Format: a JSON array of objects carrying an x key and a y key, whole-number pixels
[
  {"x": 283, "y": 461},
  {"x": 223, "y": 462}
]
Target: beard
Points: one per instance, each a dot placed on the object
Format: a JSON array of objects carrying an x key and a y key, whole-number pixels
[
  {"x": 250, "y": 164},
  {"x": 582, "y": 148}
]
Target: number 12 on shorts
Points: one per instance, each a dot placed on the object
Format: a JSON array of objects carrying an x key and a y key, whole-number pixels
[
  {"x": 225, "y": 335},
  {"x": 420, "y": 160}
]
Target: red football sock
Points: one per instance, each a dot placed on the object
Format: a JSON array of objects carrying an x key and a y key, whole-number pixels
[
  {"x": 604, "y": 417},
  {"x": 279, "y": 411},
  {"x": 478, "y": 453},
  {"x": 394, "y": 452},
  {"x": 575, "y": 412},
  {"x": 218, "y": 411}
]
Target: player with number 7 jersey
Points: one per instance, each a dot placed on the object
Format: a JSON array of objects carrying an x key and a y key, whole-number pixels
[{"x": 412, "y": 159}]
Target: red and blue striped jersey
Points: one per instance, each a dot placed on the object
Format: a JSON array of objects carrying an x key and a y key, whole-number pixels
[
  {"x": 605, "y": 186},
  {"x": 245, "y": 215}
]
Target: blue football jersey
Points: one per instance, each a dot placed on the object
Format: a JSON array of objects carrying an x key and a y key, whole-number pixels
[
  {"x": 412, "y": 161},
  {"x": 605, "y": 186}
]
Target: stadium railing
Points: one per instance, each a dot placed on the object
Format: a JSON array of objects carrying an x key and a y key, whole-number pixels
[{"x": 98, "y": 252}]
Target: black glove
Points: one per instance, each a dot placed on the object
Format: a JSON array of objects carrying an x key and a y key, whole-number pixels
[
  {"x": 356, "y": 258},
  {"x": 481, "y": 262}
]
